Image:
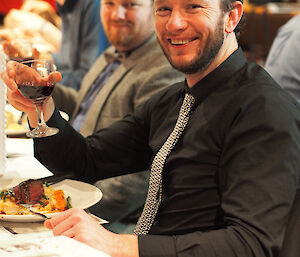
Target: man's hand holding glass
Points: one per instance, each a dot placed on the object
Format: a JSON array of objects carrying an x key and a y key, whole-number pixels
[{"x": 19, "y": 72}]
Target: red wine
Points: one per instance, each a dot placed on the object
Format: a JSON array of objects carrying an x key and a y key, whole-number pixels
[
  {"x": 20, "y": 59},
  {"x": 35, "y": 93}
]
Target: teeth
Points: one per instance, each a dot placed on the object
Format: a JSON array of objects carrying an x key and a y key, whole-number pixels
[{"x": 179, "y": 42}]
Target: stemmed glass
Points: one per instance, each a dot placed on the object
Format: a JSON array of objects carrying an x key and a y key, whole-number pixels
[{"x": 36, "y": 82}]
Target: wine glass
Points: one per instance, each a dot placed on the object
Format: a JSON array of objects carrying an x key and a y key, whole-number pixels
[{"x": 35, "y": 83}]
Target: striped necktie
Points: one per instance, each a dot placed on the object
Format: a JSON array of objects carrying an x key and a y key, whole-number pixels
[{"x": 155, "y": 185}]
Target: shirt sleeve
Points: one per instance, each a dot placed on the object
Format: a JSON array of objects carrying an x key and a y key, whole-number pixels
[{"x": 94, "y": 158}]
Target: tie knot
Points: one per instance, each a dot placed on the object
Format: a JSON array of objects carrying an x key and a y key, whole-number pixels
[
  {"x": 115, "y": 56},
  {"x": 188, "y": 103},
  {"x": 189, "y": 98}
]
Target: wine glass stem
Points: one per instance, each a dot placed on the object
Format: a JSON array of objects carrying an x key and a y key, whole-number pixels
[{"x": 39, "y": 111}]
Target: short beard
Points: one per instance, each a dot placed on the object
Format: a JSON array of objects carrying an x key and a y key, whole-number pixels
[
  {"x": 209, "y": 52},
  {"x": 121, "y": 41}
]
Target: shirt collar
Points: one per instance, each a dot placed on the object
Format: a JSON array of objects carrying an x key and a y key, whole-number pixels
[
  {"x": 217, "y": 77},
  {"x": 112, "y": 56}
]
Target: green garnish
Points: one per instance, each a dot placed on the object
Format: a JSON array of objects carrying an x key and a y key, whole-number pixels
[
  {"x": 41, "y": 203},
  {"x": 3, "y": 194},
  {"x": 45, "y": 197},
  {"x": 69, "y": 205}
]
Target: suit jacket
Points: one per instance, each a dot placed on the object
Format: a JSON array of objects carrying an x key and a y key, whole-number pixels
[{"x": 144, "y": 72}]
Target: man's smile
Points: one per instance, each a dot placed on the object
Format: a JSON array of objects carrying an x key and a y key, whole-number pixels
[{"x": 180, "y": 42}]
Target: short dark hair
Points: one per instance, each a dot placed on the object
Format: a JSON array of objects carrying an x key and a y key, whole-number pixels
[{"x": 226, "y": 6}]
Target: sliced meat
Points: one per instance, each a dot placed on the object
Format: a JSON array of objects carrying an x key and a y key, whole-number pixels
[{"x": 29, "y": 192}]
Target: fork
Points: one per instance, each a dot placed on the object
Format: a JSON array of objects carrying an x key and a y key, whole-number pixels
[{"x": 28, "y": 207}]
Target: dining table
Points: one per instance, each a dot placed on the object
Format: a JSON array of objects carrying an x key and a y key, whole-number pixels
[
  {"x": 23, "y": 238},
  {"x": 20, "y": 162}
]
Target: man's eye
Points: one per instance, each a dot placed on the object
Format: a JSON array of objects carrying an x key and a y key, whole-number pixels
[
  {"x": 108, "y": 3},
  {"x": 162, "y": 11},
  {"x": 130, "y": 5},
  {"x": 194, "y": 7}
]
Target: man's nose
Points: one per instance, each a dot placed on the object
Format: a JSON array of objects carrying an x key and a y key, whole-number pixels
[
  {"x": 176, "y": 21},
  {"x": 120, "y": 12}
]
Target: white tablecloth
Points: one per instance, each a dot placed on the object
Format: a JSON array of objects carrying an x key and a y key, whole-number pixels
[
  {"x": 44, "y": 244},
  {"x": 21, "y": 162}
]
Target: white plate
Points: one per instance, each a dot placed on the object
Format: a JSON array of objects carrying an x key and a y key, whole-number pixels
[
  {"x": 83, "y": 195},
  {"x": 16, "y": 133},
  {"x": 21, "y": 131}
]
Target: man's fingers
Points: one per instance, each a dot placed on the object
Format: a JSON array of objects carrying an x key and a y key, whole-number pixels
[
  {"x": 48, "y": 224},
  {"x": 10, "y": 83},
  {"x": 71, "y": 233},
  {"x": 63, "y": 222},
  {"x": 64, "y": 227},
  {"x": 35, "y": 53},
  {"x": 25, "y": 74},
  {"x": 18, "y": 101},
  {"x": 54, "y": 77},
  {"x": 11, "y": 69},
  {"x": 53, "y": 222},
  {"x": 11, "y": 51}
]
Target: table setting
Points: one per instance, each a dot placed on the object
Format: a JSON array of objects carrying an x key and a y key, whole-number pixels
[{"x": 19, "y": 231}]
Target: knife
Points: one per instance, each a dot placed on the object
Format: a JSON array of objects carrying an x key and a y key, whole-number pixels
[{"x": 10, "y": 230}]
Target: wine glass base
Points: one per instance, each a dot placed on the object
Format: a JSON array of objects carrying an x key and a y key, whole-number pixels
[{"x": 42, "y": 130}]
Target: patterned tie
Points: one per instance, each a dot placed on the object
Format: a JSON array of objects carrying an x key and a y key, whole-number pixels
[{"x": 155, "y": 185}]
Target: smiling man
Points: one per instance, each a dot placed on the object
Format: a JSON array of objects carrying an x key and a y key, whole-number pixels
[{"x": 223, "y": 147}]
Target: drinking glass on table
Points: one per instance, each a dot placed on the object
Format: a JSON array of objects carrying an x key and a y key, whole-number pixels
[{"x": 36, "y": 83}]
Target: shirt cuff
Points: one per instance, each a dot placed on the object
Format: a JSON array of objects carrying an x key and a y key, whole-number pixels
[
  {"x": 154, "y": 246},
  {"x": 57, "y": 121}
]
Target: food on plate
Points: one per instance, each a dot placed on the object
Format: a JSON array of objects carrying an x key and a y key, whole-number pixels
[
  {"x": 32, "y": 195},
  {"x": 29, "y": 192},
  {"x": 15, "y": 121}
]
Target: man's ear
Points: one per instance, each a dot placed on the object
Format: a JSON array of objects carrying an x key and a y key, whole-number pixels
[{"x": 234, "y": 16}]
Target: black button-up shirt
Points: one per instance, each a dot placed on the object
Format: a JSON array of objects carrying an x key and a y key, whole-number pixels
[{"x": 229, "y": 182}]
